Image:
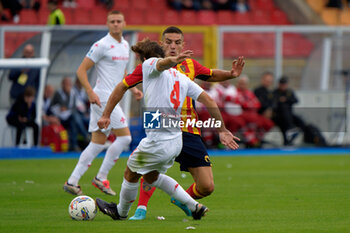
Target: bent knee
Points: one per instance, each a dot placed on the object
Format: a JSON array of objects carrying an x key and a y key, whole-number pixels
[{"x": 206, "y": 189}]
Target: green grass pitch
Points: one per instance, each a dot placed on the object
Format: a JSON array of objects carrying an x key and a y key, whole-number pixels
[{"x": 252, "y": 194}]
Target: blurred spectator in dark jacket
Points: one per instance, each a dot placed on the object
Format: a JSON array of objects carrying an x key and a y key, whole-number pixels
[
  {"x": 23, "y": 113},
  {"x": 185, "y": 4},
  {"x": 335, "y": 4},
  {"x": 63, "y": 106},
  {"x": 265, "y": 95},
  {"x": 241, "y": 6},
  {"x": 223, "y": 4},
  {"x": 283, "y": 116},
  {"x": 14, "y": 6},
  {"x": 31, "y": 4},
  {"x": 22, "y": 78},
  {"x": 207, "y": 5},
  {"x": 82, "y": 105},
  {"x": 47, "y": 118}
]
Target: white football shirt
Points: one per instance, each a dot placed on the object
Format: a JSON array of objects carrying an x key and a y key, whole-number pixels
[
  {"x": 110, "y": 58},
  {"x": 166, "y": 91}
]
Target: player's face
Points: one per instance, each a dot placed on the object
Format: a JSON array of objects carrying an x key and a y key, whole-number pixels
[
  {"x": 115, "y": 24},
  {"x": 172, "y": 44}
]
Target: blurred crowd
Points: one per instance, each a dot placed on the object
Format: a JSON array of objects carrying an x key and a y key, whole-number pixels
[
  {"x": 252, "y": 113},
  {"x": 338, "y": 4},
  {"x": 234, "y": 5},
  {"x": 66, "y": 108}
]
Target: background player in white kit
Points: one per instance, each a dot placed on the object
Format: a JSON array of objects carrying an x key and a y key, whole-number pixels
[
  {"x": 110, "y": 56},
  {"x": 164, "y": 88}
]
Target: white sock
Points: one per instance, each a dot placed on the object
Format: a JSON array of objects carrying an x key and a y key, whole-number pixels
[
  {"x": 112, "y": 155},
  {"x": 85, "y": 160},
  {"x": 172, "y": 188},
  {"x": 127, "y": 196}
]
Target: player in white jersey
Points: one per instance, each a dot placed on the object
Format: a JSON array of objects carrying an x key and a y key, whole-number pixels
[
  {"x": 165, "y": 88},
  {"x": 110, "y": 56}
]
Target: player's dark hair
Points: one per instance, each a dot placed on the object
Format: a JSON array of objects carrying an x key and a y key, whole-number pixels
[
  {"x": 172, "y": 29},
  {"x": 29, "y": 91},
  {"x": 147, "y": 49}
]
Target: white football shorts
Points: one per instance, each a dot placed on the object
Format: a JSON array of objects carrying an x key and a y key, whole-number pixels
[
  {"x": 154, "y": 155},
  {"x": 118, "y": 119}
]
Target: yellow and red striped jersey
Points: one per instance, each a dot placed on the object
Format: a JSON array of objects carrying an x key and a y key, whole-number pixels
[{"x": 192, "y": 69}]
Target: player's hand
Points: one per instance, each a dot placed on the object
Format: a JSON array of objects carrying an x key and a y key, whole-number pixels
[
  {"x": 228, "y": 139},
  {"x": 104, "y": 122},
  {"x": 182, "y": 56},
  {"x": 93, "y": 99},
  {"x": 137, "y": 94},
  {"x": 237, "y": 67}
]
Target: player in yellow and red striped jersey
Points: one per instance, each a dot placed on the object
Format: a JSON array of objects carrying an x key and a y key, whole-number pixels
[{"x": 194, "y": 157}]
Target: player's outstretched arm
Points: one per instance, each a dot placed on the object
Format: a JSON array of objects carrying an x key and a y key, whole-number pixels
[
  {"x": 83, "y": 78},
  {"x": 222, "y": 75},
  {"x": 113, "y": 100},
  {"x": 226, "y": 137},
  {"x": 167, "y": 63}
]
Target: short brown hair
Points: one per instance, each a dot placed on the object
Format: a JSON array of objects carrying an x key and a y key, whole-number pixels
[
  {"x": 147, "y": 49},
  {"x": 29, "y": 92},
  {"x": 115, "y": 12}
]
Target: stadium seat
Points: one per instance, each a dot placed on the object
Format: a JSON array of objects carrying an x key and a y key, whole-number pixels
[
  {"x": 140, "y": 4},
  {"x": 135, "y": 17},
  {"x": 153, "y": 19},
  {"x": 10, "y": 43},
  {"x": 241, "y": 18},
  {"x": 121, "y": 5},
  {"x": 224, "y": 17},
  {"x": 188, "y": 17},
  {"x": 158, "y": 5},
  {"x": 261, "y": 17},
  {"x": 266, "y": 5},
  {"x": 43, "y": 16},
  {"x": 82, "y": 16},
  {"x": 170, "y": 17},
  {"x": 278, "y": 17},
  {"x": 206, "y": 17},
  {"x": 86, "y": 4},
  {"x": 99, "y": 16},
  {"x": 68, "y": 15},
  {"x": 28, "y": 17}
]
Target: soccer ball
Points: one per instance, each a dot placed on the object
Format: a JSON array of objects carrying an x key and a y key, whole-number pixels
[{"x": 82, "y": 208}]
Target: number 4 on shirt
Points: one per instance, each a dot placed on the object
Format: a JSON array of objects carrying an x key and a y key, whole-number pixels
[{"x": 175, "y": 95}]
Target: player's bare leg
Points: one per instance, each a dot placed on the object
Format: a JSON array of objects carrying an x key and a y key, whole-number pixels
[
  {"x": 173, "y": 189},
  {"x": 203, "y": 182},
  {"x": 202, "y": 187},
  {"x": 112, "y": 155}
]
